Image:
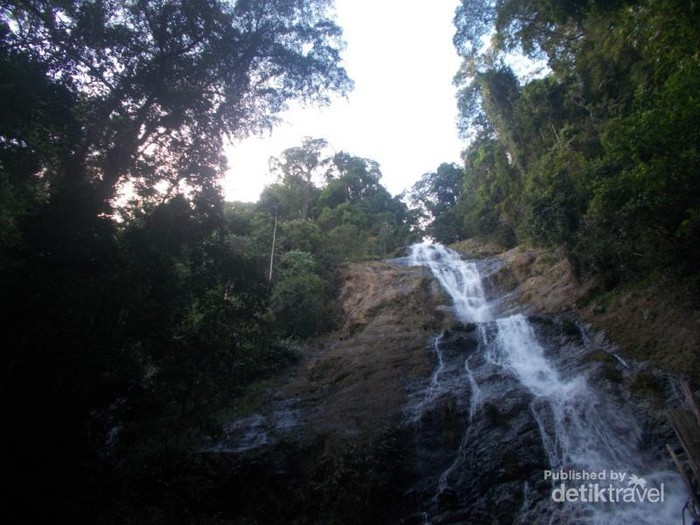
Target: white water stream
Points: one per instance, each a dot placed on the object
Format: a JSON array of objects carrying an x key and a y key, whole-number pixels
[
  {"x": 459, "y": 278},
  {"x": 582, "y": 432}
]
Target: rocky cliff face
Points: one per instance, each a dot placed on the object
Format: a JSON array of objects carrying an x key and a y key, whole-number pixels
[
  {"x": 357, "y": 377},
  {"x": 655, "y": 321},
  {"x": 327, "y": 443},
  {"x": 360, "y": 432}
]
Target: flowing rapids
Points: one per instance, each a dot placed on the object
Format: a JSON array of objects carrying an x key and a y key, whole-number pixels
[{"x": 589, "y": 466}]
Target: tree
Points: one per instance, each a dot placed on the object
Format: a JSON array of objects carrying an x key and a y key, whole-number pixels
[
  {"x": 299, "y": 295},
  {"x": 602, "y": 150},
  {"x": 156, "y": 85},
  {"x": 130, "y": 333},
  {"x": 355, "y": 207},
  {"x": 491, "y": 192},
  {"x": 349, "y": 214},
  {"x": 439, "y": 193},
  {"x": 299, "y": 170}
]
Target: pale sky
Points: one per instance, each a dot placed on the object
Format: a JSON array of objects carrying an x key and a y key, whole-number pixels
[{"x": 402, "y": 112}]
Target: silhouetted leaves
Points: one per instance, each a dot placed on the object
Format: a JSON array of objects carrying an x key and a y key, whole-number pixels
[{"x": 132, "y": 311}]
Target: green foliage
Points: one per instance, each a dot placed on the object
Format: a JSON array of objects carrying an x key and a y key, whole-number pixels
[
  {"x": 646, "y": 385},
  {"x": 349, "y": 214},
  {"x": 157, "y": 85},
  {"x": 131, "y": 318},
  {"x": 355, "y": 482},
  {"x": 299, "y": 295},
  {"x": 490, "y": 190},
  {"x": 354, "y": 203},
  {"x": 326, "y": 209},
  {"x": 439, "y": 195},
  {"x": 297, "y": 170},
  {"x": 554, "y": 199},
  {"x": 301, "y": 235},
  {"x": 602, "y": 152}
]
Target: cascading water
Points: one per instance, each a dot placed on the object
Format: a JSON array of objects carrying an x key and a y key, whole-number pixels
[
  {"x": 592, "y": 465},
  {"x": 436, "y": 386},
  {"x": 459, "y": 278}
]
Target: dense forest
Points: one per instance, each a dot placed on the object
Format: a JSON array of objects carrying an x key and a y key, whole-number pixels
[
  {"x": 597, "y": 153},
  {"x": 137, "y": 304}
]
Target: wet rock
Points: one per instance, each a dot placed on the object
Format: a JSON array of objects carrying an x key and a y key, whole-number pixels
[
  {"x": 542, "y": 280},
  {"x": 386, "y": 423}
]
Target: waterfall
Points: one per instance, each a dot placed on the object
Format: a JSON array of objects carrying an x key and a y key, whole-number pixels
[
  {"x": 593, "y": 465},
  {"x": 459, "y": 278},
  {"x": 436, "y": 387}
]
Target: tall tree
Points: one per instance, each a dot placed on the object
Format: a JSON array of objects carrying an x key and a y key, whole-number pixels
[
  {"x": 127, "y": 334},
  {"x": 603, "y": 147},
  {"x": 440, "y": 195},
  {"x": 300, "y": 169},
  {"x": 156, "y": 85}
]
